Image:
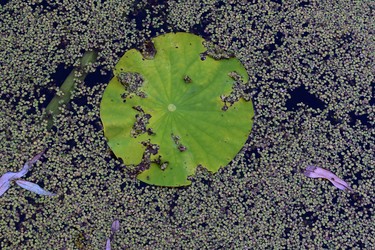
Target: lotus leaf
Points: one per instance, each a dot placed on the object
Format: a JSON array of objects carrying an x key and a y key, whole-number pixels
[{"x": 177, "y": 104}]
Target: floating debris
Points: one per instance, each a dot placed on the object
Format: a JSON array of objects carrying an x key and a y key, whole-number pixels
[
  {"x": 108, "y": 244},
  {"x": 9, "y": 176},
  {"x": 115, "y": 226},
  {"x": 317, "y": 172},
  {"x": 35, "y": 188},
  {"x": 4, "y": 186},
  {"x": 34, "y": 159}
]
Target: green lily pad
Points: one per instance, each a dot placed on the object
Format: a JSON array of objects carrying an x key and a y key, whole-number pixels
[{"x": 178, "y": 104}]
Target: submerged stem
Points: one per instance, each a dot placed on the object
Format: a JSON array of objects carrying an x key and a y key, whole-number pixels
[{"x": 68, "y": 87}]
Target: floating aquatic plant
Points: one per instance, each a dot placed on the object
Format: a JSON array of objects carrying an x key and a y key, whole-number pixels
[{"x": 177, "y": 104}]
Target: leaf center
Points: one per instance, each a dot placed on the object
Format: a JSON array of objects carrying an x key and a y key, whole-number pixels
[{"x": 171, "y": 107}]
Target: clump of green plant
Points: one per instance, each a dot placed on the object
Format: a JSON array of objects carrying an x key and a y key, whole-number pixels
[{"x": 177, "y": 104}]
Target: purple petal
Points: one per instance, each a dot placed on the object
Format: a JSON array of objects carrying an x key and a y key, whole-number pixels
[
  {"x": 317, "y": 172},
  {"x": 35, "y": 188},
  {"x": 28, "y": 164},
  {"x": 23, "y": 171},
  {"x": 108, "y": 244},
  {"x": 115, "y": 226},
  {"x": 15, "y": 175},
  {"x": 7, "y": 177},
  {"x": 340, "y": 184},
  {"x": 36, "y": 158},
  {"x": 4, "y": 187},
  {"x": 5, "y": 181}
]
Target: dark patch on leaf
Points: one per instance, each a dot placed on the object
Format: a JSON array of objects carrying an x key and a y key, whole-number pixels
[
  {"x": 132, "y": 82},
  {"x": 142, "y": 119},
  {"x": 148, "y": 50},
  {"x": 187, "y": 79}
]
